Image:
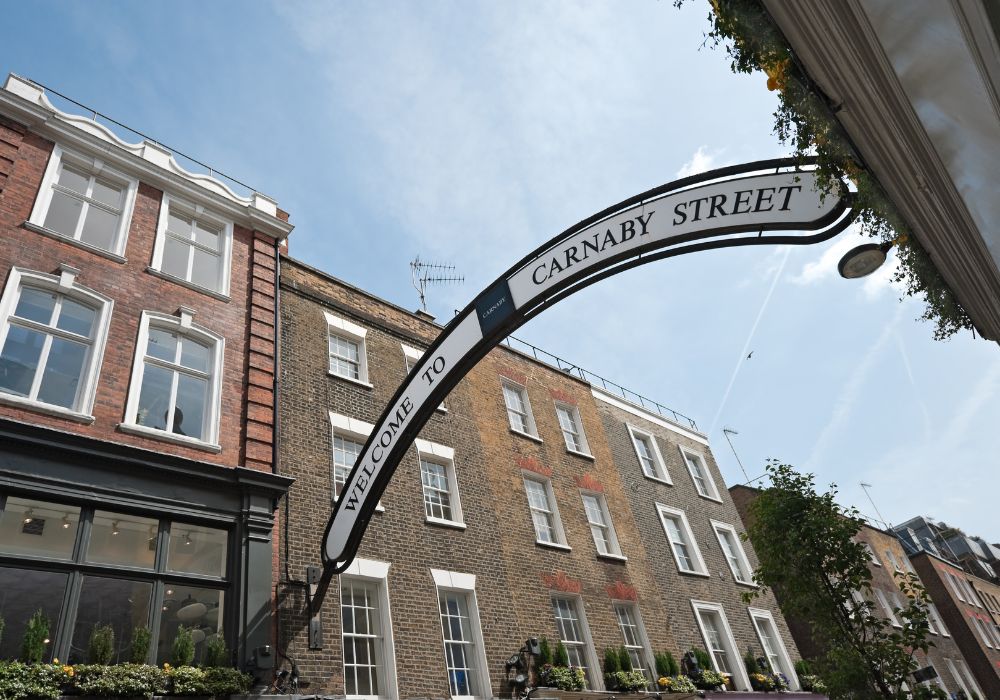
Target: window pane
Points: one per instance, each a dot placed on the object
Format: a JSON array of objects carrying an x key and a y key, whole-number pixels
[
  {"x": 99, "y": 228},
  {"x": 179, "y": 223},
  {"x": 19, "y": 360},
  {"x": 162, "y": 344},
  {"x": 154, "y": 398},
  {"x": 76, "y": 318},
  {"x": 37, "y": 528},
  {"x": 116, "y": 538},
  {"x": 120, "y": 603},
  {"x": 74, "y": 179},
  {"x": 206, "y": 269},
  {"x": 23, "y": 593},
  {"x": 206, "y": 235},
  {"x": 108, "y": 192},
  {"x": 35, "y": 305},
  {"x": 175, "y": 257},
  {"x": 195, "y": 549},
  {"x": 63, "y": 372},
  {"x": 189, "y": 413},
  {"x": 63, "y": 214},
  {"x": 200, "y": 609},
  {"x": 195, "y": 355}
]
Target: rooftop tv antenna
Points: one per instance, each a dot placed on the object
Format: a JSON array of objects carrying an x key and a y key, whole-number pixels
[
  {"x": 728, "y": 432},
  {"x": 864, "y": 487},
  {"x": 423, "y": 274}
]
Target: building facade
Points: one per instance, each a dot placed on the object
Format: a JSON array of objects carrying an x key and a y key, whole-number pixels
[
  {"x": 137, "y": 319},
  {"x": 970, "y": 608},
  {"x": 693, "y": 530},
  {"x": 520, "y": 512}
]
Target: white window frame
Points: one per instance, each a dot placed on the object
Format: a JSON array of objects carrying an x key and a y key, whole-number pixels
[
  {"x": 376, "y": 573},
  {"x": 411, "y": 356},
  {"x": 871, "y": 554},
  {"x": 887, "y": 607},
  {"x": 932, "y": 612},
  {"x": 200, "y": 213},
  {"x": 595, "y": 677},
  {"x": 97, "y": 168},
  {"x": 529, "y": 415},
  {"x": 952, "y": 581},
  {"x": 550, "y": 497},
  {"x": 713, "y": 490},
  {"x": 895, "y": 562},
  {"x": 445, "y": 457},
  {"x": 649, "y": 662},
  {"x": 684, "y": 527},
  {"x": 454, "y": 581},
  {"x": 182, "y": 325},
  {"x": 352, "y": 332},
  {"x": 758, "y": 614},
  {"x": 354, "y": 429},
  {"x": 577, "y": 423},
  {"x": 984, "y": 632},
  {"x": 64, "y": 284},
  {"x": 659, "y": 465},
  {"x": 615, "y": 550},
  {"x": 971, "y": 680},
  {"x": 719, "y": 527},
  {"x": 740, "y": 678}
]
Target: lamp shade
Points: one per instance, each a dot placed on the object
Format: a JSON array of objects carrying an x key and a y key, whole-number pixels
[{"x": 191, "y": 611}]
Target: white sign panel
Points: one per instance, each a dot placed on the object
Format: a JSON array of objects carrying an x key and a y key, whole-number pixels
[{"x": 745, "y": 204}]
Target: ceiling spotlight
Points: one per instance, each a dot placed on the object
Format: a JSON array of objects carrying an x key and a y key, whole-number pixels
[
  {"x": 187, "y": 539},
  {"x": 65, "y": 522},
  {"x": 170, "y": 591},
  {"x": 114, "y": 527},
  {"x": 29, "y": 515}
]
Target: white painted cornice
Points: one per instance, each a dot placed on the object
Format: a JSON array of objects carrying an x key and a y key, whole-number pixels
[
  {"x": 26, "y": 103},
  {"x": 837, "y": 45}
]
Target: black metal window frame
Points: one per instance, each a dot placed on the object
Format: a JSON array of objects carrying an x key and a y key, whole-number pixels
[{"x": 76, "y": 567}]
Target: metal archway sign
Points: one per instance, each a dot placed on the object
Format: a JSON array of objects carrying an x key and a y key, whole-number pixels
[{"x": 722, "y": 208}]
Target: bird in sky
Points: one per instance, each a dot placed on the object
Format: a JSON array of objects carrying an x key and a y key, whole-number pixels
[{"x": 750, "y": 355}]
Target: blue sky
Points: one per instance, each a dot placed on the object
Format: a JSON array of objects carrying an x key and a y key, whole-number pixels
[{"x": 469, "y": 133}]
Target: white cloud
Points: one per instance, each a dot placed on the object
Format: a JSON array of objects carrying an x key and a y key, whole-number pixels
[
  {"x": 702, "y": 161},
  {"x": 825, "y": 266}
]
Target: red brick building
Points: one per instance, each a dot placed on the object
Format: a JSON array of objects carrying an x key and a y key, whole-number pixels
[
  {"x": 137, "y": 361},
  {"x": 970, "y": 607}
]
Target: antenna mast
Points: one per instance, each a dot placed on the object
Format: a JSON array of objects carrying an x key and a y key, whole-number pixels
[{"x": 423, "y": 274}]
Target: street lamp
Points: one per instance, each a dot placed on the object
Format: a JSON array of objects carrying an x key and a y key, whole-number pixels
[{"x": 865, "y": 259}]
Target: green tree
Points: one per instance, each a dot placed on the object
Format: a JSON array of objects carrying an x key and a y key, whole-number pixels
[
  {"x": 36, "y": 636},
  {"x": 808, "y": 554},
  {"x": 141, "y": 637},
  {"x": 102, "y": 645},
  {"x": 182, "y": 652}
]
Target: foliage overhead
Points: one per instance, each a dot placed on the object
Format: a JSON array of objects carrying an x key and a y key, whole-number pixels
[{"x": 805, "y": 121}]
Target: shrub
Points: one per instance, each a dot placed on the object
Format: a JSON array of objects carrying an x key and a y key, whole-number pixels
[
  {"x": 750, "y": 662},
  {"x": 119, "y": 681},
  {"x": 704, "y": 660},
  {"x": 709, "y": 679},
  {"x": 611, "y": 661},
  {"x": 101, "y": 648},
  {"x": 562, "y": 656},
  {"x": 624, "y": 660},
  {"x": 19, "y": 680},
  {"x": 544, "y": 653},
  {"x": 666, "y": 665},
  {"x": 802, "y": 668},
  {"x": 563, "y": 678},
  {"x": 628, "y": 681},
  {"x": 141, "y": 637},
  {"x": 186, "y": 680},
  {"x": 35, "y": 635},
  {"x": 227, "y": 681},
  {"x": 216, "y": 653},
  {"x": 182, "y": 652},
  {"x": 676, "y": 684}
]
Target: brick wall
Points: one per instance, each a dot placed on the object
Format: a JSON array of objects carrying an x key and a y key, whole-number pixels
[
  {"x": 675, "y": 588},
  {"x": 537, "y": 571},
  {"x": 958, "y": 617},
  {"x": 245, "y": 320},
  {"x": 400, "y": 535}
]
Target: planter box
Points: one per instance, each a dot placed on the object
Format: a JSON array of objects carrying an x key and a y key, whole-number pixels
[{"x": 553, "y": 694}]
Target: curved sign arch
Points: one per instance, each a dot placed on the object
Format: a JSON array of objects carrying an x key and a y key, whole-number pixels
[{"x": 722, "y": 208}]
